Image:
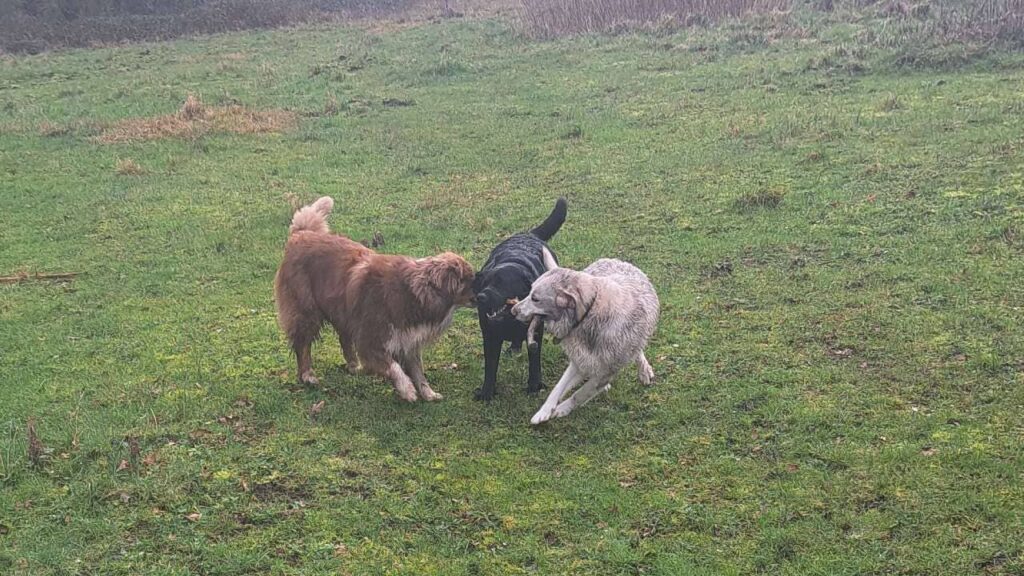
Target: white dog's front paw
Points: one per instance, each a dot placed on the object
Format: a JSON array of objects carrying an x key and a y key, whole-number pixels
[
  {"x": 563, "y": 409},
  {"x": 542, "y": 415}
]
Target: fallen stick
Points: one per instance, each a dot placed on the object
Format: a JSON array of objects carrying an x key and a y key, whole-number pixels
[
  {"x": 39, "y": 276},
  {"x": 531, "y": 343}
]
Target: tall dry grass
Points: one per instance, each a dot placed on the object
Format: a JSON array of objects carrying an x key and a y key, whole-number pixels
[
  {"x": 896, "y": 22},
  {"x": 555, "y": 18}
]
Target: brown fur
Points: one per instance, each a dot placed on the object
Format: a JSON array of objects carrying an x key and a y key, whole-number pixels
[{"x": 384, "y": 308}]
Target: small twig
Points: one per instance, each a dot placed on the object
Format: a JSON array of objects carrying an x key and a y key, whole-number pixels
[
  {"x": 38, "y": 276},
  {"x": 36, "y": 449}
]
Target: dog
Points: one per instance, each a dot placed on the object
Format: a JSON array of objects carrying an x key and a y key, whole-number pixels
[
  {"x": 603, "y": 317},
  {"x": 385, "y": 309},
  {"x": 506, "y": 277}
]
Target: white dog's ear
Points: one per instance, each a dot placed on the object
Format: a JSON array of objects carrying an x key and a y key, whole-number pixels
[
  {"x": 549, "y": 259},
  {"x": 565, "y": 299}
]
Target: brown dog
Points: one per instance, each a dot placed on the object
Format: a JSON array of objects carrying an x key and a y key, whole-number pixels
[{"x": 384, "y": 308}]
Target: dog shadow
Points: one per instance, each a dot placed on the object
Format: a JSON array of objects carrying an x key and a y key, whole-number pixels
[{"x": 366, "y": 405}]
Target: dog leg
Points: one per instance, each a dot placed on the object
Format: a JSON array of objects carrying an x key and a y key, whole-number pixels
[
  {"x": 585, "y": 394},
  {"x": 644, "y": 371},
  {"x": 403, "y": 385},
  {"x": 533, "y": 384},
  {"x": 351, "y": 359},
  {"x": 570, "y": 379},
  {"x": 414, "y": 367},
  {"x": 492, "y": 355},
  {"x": 304, "y": 358}
]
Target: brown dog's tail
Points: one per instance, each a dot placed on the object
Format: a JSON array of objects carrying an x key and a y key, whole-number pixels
[{"x": 313, "y": 218}]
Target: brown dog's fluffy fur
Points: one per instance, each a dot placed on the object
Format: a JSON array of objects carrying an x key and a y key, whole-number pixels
[{"x": 384, "y": 308}]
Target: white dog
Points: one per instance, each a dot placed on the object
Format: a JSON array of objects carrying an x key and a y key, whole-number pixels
[{"x": 603, "y": 318}]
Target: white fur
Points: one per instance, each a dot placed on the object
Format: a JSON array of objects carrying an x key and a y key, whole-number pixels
[
  {"x": 415, "y": 338},
  {"x": 549, "y": 259}
]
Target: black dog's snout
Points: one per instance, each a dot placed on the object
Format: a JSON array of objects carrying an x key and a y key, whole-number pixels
[{"x": 485, "y": 300}]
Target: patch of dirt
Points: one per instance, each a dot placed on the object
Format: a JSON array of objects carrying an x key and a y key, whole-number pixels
[
  {"x": 195, "y": 118},
  {"x": 276, "y": 491}
]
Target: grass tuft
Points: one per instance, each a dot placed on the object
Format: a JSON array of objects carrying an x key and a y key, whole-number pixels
[
  {"x": 761, "y": 199},
  {"x": 128, "y": 167},
  {"x": 195, "y": 119}
]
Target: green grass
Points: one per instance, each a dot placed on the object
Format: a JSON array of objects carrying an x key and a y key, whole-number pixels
[{"x": 839, "y": 253}]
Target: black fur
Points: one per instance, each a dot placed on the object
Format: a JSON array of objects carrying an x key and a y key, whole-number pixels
[{"x": 509, "y": 273}]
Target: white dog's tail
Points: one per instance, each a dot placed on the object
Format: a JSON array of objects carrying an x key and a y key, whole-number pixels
[{"x": 312, "y": 218}]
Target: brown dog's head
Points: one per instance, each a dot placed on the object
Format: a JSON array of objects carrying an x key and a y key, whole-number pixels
[{"x": 446, "y": 277}]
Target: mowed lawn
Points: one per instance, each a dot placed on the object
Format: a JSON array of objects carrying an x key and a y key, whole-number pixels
[{"x": 838, "y": 248}]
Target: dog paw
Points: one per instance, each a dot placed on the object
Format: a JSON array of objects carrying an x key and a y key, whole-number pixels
[
  {"x": 514, "y": 350},
  {"x": 543, "y": 415},
  {"x": 533, "y": 388},
  {"x": 429, "y": 395},
  {"x": 647, "y": 376},
  {"x": 483, "y": 395},
  {"x": 406, "y": 393},
  {"x": 309, "y": 378},
  {"x": 562, "y": 409}
]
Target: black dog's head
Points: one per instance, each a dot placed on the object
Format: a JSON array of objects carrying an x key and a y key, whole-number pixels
[{"x": 495, "y": 287}]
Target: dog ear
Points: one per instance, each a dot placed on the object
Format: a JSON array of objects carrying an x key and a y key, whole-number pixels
[
  {"x": 565, "y": 299},
  {"x": 549, "y": 258},
  {"x": 478, "y": 282},
  {"x": 447, "y": 273}
]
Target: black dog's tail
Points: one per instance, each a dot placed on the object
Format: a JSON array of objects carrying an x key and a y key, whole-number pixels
[{"x": 552, "y": 223}]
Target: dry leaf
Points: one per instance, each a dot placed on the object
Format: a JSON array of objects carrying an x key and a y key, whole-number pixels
[
  {"x": 123, "y": 465},
  {"x": 149, "y": 459},
  {"x": 316, "y": 409},
  {"x": 928, "y": 451},
  {"x": 792, "y": 467},
  {"x": 194, "y": 517}
]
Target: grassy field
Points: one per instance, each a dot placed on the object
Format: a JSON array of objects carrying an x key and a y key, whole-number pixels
[{"x": 837, "y": 242}]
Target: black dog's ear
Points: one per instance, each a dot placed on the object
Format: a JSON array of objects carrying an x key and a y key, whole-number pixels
[{"x": 478, "y": 282}]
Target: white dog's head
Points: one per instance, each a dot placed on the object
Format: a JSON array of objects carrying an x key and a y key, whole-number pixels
[{"x": 556, "y": 297}]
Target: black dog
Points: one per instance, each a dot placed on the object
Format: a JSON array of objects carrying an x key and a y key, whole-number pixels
[{"x": 508, "y": 275}]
